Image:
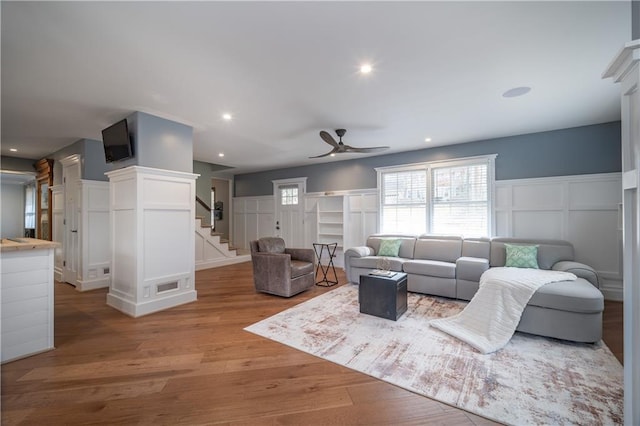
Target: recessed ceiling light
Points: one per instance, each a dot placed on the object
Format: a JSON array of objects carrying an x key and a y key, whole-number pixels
[
  {"x": 427, "y": 139},
  {"x": 226, "y": 116},
  {"x": 365, "y": 68},
  {"x": 13, "y": 150},
  {"x": 516, "y": 91},
  {"x": 333, "y": 155},
  {"x": 221, "y": 154}
]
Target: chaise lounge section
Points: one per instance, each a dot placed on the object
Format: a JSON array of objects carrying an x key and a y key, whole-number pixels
[{"x": 451, "y": 266}]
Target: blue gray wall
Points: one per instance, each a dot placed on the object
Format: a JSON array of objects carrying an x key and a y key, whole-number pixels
[
  {"x": 635, "y": 20},
  {"x": 575, "y": 151},
  {"x": 16, "y": 164},
  {"x": 161, "y": 143},
  {"x": 93, "y": 165}
]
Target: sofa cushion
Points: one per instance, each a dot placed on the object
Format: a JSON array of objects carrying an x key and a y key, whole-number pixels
[
  {"x": 572, "y": 296},
  {"x": 389, "y": 247},
  {"x": 300, "y": 267},
  {"x": 471, "y": 268},
  {"x": 476, "y": 247},
  {"x": 442, "y": 247},
  {"x": 519, "y": 256},
  {"x": 271, "y": 245},
  {"x": 375, "y": 262},
  {"x": 549, "y": 251},
  {"x": 432, "y": 268},
  {"x": 406, "y": 247}
]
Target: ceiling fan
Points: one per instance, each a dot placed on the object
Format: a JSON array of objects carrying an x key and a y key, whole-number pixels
[{"x": 339, "y": 147}]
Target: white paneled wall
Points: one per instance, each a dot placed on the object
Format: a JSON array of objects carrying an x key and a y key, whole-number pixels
[
  {"x": 253, "y": 218},
  {"x": 581, "y": 209},
  {"x": 152, "y": 239},
  {"x": 57, "y": 229},
  {"x": 94, "y": 230}
]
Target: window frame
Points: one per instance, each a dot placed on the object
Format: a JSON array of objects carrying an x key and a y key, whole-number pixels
[{"x": 428, "y": 168}]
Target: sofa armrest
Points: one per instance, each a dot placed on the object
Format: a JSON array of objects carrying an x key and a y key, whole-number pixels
[
  {"x": 304, "y": 254},
  {"x": 471, "y": 268},
  {"x": 579, "y": 270},
  {"x": 359, "y": 252},
  {"x": 355, "y": 252}
]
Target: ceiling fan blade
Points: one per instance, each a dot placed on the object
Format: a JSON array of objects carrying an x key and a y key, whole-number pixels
[
  {"x": 328, "y": 139},
  {"x": 363, "y": 150},
  {"x": 333, "y": 151}
]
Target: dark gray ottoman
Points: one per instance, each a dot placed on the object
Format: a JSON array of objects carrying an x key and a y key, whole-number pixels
[{"x": 384, "y": 297}]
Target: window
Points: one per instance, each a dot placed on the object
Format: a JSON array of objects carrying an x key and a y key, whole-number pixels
[
  {"x": 451, "y": 197},
  {"x": 404, "y": 201},
  {"x": 30, "y": 206},
  {"x": 289, "y": 195}
]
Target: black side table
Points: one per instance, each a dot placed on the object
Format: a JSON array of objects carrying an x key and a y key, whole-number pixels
[
  {"x": 384, "y": 297},
  {"x": 330, "y": 248}
]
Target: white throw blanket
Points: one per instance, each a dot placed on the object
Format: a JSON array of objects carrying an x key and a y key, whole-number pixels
[{"x": 491, "y": 317}]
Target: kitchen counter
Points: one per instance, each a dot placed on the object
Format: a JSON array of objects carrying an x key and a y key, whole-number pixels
[
  {"x": 26, "y": 287},
  {"x": 13, "y": 244}
]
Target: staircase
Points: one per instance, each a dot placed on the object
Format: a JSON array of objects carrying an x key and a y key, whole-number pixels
[{"x": 211, "y": 251}]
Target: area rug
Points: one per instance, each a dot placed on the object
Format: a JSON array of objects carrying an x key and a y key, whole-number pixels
[{"x": 532, "y": 380}]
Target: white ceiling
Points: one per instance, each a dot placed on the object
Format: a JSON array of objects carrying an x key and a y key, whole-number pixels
[{"x": 287, "y": 70}]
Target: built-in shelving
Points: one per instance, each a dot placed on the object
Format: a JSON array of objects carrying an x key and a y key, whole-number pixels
[{"x": 330, "y": 220}]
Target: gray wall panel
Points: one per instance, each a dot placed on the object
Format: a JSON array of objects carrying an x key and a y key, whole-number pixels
[
  {"x": 16, "y": 164},
  {"x": 575, "y": 151},
  {"x": 163, "y": 144},
  {"x": 635, "y": 20}
]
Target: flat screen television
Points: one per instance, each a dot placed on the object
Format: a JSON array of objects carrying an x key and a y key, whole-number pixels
[{"x": 116, "y": 141}]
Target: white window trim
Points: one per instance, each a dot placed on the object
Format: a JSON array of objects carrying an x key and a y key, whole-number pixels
[{"x": 427, "y": 166}]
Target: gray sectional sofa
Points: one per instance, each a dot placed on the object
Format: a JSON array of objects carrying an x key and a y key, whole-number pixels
[{"x": 451, "y": 266}]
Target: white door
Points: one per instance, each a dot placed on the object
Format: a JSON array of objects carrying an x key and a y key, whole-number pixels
[
  {"x": 289, "y": 224},
  {"x": 71, "y": 259}
]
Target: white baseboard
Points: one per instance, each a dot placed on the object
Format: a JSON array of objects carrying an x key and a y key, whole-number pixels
[
  {"x": 87, "y": 285},
  {"x": 214, "y": 263},
  {"x": 139, "y": 309}
]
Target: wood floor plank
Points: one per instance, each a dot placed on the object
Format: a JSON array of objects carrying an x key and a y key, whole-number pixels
[{"x": 194, "y": 364}]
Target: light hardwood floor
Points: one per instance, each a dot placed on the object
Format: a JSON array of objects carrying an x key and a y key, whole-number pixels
[{"x": 194, "y": 364}]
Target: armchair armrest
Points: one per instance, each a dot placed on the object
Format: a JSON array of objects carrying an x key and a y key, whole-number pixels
[
  {"x": 270, "y": 270},
  {"x": 304, "y": 254},
  {"x": 579, "y": 270},
  {"x": 471, "y": 268}
]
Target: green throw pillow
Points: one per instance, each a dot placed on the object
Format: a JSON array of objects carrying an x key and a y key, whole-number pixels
[
  {"x": 521, "y": 256},
  {"x": 389, "y": 247}
]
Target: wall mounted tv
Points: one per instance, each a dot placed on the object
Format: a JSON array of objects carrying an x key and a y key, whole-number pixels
[{"x": 116, "y": 141}]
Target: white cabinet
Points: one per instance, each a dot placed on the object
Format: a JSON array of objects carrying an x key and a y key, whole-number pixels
[{"x": 26, "y": 288}]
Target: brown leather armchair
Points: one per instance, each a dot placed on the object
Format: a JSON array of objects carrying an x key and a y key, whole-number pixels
[{"x": 279, "y": 270}]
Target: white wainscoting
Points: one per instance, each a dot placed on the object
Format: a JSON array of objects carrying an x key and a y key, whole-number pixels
[
  {"x": 94, "y": 229},
  {"x": 152, "y": 239},
  {"x": 57, "y": 228},
  {"x": 253, "y": 218},
  {"x": 582, "y": 209}
]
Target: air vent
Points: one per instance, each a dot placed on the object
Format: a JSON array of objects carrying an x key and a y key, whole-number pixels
[{"x": 166, "y": 287}]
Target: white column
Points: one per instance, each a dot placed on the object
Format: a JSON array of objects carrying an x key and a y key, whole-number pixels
[
  {"x": 625, "y": 69},
  {"x": 152, "y": 239}
]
